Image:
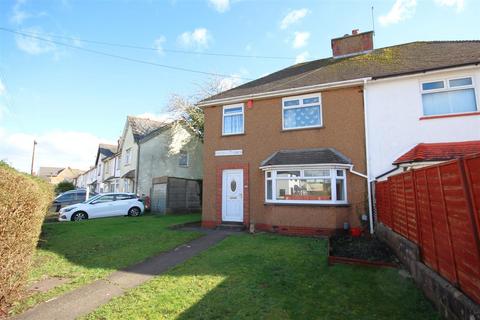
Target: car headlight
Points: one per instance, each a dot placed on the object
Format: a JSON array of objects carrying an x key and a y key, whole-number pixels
[{"x": 68, "y": 209}]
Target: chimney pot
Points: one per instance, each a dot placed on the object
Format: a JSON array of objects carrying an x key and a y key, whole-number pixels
[{"x": 354, "y": 31}]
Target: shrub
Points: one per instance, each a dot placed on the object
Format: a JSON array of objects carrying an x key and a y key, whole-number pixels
[
  {"x": 24, "y": 201},
  {"x": 64, "y": 186}
]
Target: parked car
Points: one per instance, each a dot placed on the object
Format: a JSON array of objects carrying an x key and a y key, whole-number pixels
[
  {"x": 103, "y": 205},
  {"x": 70, "y": 197}
]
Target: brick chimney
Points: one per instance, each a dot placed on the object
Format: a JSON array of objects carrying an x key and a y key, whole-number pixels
[{"x": 352, "y": 44}]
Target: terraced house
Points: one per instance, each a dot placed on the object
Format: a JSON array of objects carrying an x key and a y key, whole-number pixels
[{"x": 288, "y": 152}]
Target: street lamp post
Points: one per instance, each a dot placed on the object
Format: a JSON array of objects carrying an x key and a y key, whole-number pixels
[{"x": 33, "y": 156}]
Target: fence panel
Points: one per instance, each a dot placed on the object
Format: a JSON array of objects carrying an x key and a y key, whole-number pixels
[{"x": 438, "y": 207}]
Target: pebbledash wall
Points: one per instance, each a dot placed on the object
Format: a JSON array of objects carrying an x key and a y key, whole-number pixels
[
  {"x": 343, "y": 129},
  {"x": 396, "y": 123}
]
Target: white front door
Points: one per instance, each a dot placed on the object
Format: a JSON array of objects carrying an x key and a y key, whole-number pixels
[{"x": 232, "y": 195}]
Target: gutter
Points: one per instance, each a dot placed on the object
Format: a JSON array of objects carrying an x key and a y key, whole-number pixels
[
  {"x": 279, "y": 93},
  {"x": 137, "y": 169}
]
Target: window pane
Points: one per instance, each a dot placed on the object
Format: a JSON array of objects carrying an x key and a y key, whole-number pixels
[
  {"x": 311, "y": 100},
  {"x": 233, "y": 124},
  {"x": 460, "y": 82},
  {"x": 340, "y": 173},
  {"x": 301, "y": 117},
  {"x": 340, "y": 190},
  {"x": 269, "y": 189},
  {"x": 432, "y": 85},
  {"x": 304, "y": 189},
  {"x": 291, "y": 103},
  {"x": 317, "y": 173},
  {"x": 289, "y": 174},
  {"x": 449, "y": 102},
  {"x": 269, "y": 174},
  {"x": 183, "y": 160},
  {"x": 232, "y": 110}
]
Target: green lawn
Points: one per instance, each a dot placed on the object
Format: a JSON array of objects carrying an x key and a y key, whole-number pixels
[
  {"x": 89, "y": 250},
  {"x": 270, "y": 277}
]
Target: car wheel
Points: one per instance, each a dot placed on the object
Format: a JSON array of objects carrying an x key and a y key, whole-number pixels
[
  {"x": 79, "y": 216},
  {"x": 134, "y": 212}
]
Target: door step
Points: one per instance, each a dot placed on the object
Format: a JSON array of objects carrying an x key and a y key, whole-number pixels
[{"x": 231, "y": 226}]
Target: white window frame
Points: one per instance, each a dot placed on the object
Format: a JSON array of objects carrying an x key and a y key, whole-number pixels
[
  {"x": 302, "y": 105},
  {"x": 447, "y": 88},
  {"x": 188, "y": 158},
  {"x": 333, "y": 177},
  {"x": 128, "y": 156},
  {"x": 233, "y": 106}
]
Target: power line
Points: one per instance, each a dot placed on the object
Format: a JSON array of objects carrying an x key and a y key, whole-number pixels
[
  {"x": 111, "y": 55},
  {"x": 130, "y": 46}
]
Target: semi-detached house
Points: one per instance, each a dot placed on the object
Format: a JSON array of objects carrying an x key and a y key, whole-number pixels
[{"x": 288, "y": 152}]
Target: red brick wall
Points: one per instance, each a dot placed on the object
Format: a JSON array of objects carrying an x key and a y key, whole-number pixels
[{"x": 352, "y": 44}]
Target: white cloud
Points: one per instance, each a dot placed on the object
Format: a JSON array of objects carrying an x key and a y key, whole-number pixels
[
  {"x": 158, "y": 44},
  {"x": 18, "y": 14},
  {"x": 293, "y": 16},
  {"x": 459, "y": 4},
  {"x": 233, "y": 81},
  {"x": 301, "y": 39},
  {"x": 54, "y": 148},
  {"x": 220, "y": 5},
  {"x": 35, "y": 46},
  {"x": 3, "y": 90},
  {"x": 302, "y": 57},
  {"x": 401, "y": 10},
  {"x": 198, "y": 38}
]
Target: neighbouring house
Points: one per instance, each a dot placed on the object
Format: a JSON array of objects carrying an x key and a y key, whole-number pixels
[
  {"x": 80, "y": 181},
  {"x": 266, "y": 141},
  {"x": 111, "y": 173},
  {"x": 104, "y": 151},
  {"x": 134, "y": 130},
  {"x": 428, "y": 93},
  {"x": 91, "y": 179},
  {"x": 286, "y": 153},
  {"x": 169, "y": 169},
  {"x": 56, "y": 175},
  {"x": 427, "y": 154}
]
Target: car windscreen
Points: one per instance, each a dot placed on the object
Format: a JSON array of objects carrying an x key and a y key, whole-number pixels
[{"x": 93, "y": 198}]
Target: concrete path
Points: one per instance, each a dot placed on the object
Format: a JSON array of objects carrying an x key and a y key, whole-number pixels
[{"x": 85, "y": 299}]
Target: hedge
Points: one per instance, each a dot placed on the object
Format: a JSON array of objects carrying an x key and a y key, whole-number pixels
[{"x": 24, "y": 202}]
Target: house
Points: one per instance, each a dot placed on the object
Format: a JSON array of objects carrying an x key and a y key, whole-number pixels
[
  {"x": 271, "y": 135},
  {"x": 170, "y": 168},
  {"x": 428, "y": 96},
  {"x": 56, "y": 175},
  {"x": 286, "y": 152},
  {"x": 134, "y": 130},
  {"x": 104, "y": 151},
  {"x": 80, "y": 181},
  {"x": 91, "y": 178},
  {"x": 111, "y": 173}
]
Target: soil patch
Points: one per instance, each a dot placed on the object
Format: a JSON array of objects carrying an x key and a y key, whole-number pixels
[
  {"x": 47, "y": 284},
  {"x": 362, "y": 248}
]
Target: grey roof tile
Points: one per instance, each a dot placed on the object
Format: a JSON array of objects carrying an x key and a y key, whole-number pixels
[{"x": 306, "y": 156}]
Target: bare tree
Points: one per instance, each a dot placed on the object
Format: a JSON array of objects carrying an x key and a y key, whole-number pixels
[{"x": 185, "y": 108}]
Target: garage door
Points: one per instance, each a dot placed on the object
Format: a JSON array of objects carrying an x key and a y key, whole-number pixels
[{"x": 159, "y": 198}]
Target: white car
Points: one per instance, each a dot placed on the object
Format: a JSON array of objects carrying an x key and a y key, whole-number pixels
[{"x": 103, "y": 205}]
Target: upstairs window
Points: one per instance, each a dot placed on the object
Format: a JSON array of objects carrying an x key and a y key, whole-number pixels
[
  {"x": 448, "y": 96},
  {"x": 233, "y": 119},
  {"x": 183, "y": 159},
  {"x": 302, "y": 112},
  {"x": 128, "y": 156}
]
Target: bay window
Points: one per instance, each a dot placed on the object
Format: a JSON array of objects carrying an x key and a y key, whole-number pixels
[
  {"x": 448, "y": 96},
  {"x": 322, "y": 186}
]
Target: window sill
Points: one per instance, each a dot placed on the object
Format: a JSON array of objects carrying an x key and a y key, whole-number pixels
[
  {"x": 233, "y": 134},
  {"x": 466, "y": 114},
  {"x": 307, "y": 204},
  {"x": 307, "y": 128}
]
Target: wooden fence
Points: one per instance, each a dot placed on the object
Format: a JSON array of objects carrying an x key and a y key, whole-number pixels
[{"x": 438, "y": 208}]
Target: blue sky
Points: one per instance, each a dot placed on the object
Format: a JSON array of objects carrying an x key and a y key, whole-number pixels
[{"x": 70, "y": 100}]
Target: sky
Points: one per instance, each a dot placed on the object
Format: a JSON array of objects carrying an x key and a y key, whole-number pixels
[{"x": 69, "y": 99}]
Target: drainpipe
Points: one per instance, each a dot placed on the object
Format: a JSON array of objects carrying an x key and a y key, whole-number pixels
[
  {"x": 137, "y": 169},
  {"x": 369, "y": 187}
]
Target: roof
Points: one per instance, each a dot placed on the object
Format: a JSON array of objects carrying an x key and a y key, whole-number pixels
[
  {"x": 49, "y": 171},
  {"x": 141, "y": 127},
  {"x": 439, "y": 151},
  {"x": 306, "y": 156},
  {"x": 396, "y": 60},
  {"x": 107, "y": 150}
]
